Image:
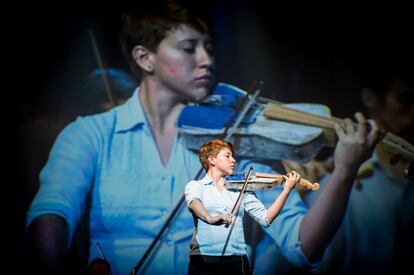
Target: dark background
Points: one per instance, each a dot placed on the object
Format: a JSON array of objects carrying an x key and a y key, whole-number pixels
[{"x": 302, "y": 53}]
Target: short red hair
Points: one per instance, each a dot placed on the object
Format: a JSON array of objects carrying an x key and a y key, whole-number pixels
[{"x": 211, "y": 149}]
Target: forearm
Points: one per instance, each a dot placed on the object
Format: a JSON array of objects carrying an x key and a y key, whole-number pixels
[
  {"x": 277, "y": 206},
  {"x": 48, "y": 239},
  {"x": 355, "y": 145},
  {"x": 322, "y": 221},
  {"x": 198, "y": 208}
]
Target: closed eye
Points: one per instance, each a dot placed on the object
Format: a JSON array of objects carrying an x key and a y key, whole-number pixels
[
  {"x": 189, "y": 50},
  {"x": 188, "y": 46}
]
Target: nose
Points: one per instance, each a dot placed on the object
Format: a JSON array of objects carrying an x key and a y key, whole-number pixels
[{"x": 205, "y": 59}]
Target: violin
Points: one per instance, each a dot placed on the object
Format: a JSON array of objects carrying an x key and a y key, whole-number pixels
[
  {"x": 257, "y": 181},
  {"x": 271, "y": 130},
  {"x": 263, "y": 181}
]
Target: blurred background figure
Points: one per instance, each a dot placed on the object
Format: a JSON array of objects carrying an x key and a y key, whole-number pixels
[
  {"x": 108, "y": 88},
  {"x": 374, "y": 235}
]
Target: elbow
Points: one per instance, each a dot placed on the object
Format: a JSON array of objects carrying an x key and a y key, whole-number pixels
[{"x": 266, "y": 222}]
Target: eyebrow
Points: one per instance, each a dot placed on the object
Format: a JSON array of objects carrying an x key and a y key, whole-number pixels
[
  {"x": 204, "y": 39},
  {"x": 185, "y": 40}
]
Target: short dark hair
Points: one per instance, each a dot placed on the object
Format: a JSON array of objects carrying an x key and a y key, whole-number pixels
[{"x": 149, "y": 26}]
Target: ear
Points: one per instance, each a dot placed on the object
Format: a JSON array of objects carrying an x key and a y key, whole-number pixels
[
  {"x": 212, "y": 160},
  {"x": 144, "y": 58},
  {"x": 369, "y": 99}
]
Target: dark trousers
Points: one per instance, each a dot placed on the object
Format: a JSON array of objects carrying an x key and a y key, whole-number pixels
[{"x": 217, "y": 265}]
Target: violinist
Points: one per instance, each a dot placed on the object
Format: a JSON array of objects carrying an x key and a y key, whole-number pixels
[
  {"x": 210, "y": 203},
  {"x": 133, "y": 165}
]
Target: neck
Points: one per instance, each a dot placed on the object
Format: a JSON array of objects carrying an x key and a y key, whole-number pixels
[
  {"x": 160, "y": 105},
  {"x": 162, "y": 108},
  {"x": 216, "y": 176}
]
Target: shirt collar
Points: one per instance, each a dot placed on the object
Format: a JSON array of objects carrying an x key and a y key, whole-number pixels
[
  {"x": 206, "y": 180},
  {"x": 130, "y": 114}
]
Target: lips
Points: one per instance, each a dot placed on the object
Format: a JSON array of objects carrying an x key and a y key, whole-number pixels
[{"x": 204, "y": 80}]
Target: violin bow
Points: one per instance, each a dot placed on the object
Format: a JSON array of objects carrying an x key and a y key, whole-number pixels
[
  {"x": 242, "y": 109},
  {"x": 236, "y": 208},
  {"x": 101, "y": 64}
]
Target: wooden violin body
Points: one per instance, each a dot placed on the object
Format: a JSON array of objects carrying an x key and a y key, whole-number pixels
[
  {"x": 270, "y": 130},
  {"x": 263, "y": 181},
  {"x": 257, "y": 136}
]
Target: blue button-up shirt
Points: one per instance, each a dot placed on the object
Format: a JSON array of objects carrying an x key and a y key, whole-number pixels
[
  {"x": 211, "y": 239},
  {"x": 113, "y": 155}
]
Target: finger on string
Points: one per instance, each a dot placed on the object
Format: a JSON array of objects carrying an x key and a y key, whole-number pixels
[
  {"x": 349, "y": 126},
  {"x": 373, "y": 133},
  {"x": 298, "y": 177},
  {"x": 362, "y": 125},
  {"x": 339, "y": 130}
]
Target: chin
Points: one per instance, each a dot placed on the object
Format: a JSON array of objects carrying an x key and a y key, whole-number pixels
[
  {"x": 196, "y": 95},
  {"x": 199, "y": 93}
]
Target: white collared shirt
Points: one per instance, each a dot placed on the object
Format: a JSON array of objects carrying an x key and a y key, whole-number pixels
[{"x": 210, "y": 239}]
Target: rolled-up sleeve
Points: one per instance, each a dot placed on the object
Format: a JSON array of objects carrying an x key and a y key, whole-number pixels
[
  {"x": 255, "y": 209},
  {"x": 192, "y": 191},
  {"x": 66, "y": 178}
]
